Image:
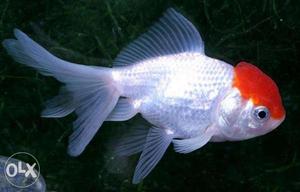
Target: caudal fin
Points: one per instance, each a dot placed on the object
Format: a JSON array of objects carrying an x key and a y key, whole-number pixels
[{"x": 89, "y": 91}]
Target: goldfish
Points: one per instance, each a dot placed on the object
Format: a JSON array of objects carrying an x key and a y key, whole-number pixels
[{"x": 189, "y": 99}]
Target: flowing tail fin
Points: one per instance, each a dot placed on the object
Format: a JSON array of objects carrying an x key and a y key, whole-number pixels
[{"x": 88, "y": 90}]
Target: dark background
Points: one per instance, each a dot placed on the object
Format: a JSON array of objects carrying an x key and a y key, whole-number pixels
[{"x": 263, "y": 32}]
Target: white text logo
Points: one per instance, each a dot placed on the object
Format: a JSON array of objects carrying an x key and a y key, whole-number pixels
[{"x": 19, "y": 173}]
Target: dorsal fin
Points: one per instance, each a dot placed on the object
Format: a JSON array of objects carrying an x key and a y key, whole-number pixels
[{"x": 172, "y": 34}]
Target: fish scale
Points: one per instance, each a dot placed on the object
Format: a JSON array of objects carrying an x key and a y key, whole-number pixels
[{"x": 174, "y": 100}]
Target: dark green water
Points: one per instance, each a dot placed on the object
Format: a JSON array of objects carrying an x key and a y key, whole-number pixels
[{"x": 263, "y": 32}]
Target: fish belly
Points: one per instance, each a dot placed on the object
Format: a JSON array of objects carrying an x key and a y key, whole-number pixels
[{"x": 176, "y": 92}]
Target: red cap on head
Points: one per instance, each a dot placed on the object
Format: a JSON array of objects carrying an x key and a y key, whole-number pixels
[{"x": 259, "y": 87}]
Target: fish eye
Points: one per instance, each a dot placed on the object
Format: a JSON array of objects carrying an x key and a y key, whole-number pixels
[{"x": 261, "y": 113}]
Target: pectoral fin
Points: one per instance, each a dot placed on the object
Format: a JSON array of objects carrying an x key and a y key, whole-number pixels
[{"x": 191, "y": 144}]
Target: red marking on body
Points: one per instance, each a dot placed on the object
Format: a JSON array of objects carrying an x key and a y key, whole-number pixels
[{"x": 259, "y": 87}]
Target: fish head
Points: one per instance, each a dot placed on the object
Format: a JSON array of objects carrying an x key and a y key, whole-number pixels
[{"x": 251, "y": 107}]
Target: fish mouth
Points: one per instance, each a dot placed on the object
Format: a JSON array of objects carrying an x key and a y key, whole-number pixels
[
  {"x": 270, "y": 125},
  {"x": 274, "y": 123}
]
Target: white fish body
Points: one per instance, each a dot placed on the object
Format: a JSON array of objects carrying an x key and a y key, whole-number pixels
[
  {"x": 176, "y": 92},
  {"x": 165, "y": 75}
]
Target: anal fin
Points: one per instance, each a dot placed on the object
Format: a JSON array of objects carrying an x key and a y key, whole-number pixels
[
  {"x": 132, "y": 142},
  {"x": 123, "y": 111}
]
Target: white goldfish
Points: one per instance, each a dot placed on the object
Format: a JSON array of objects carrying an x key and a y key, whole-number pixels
[{"x": 188, "y": 97}]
